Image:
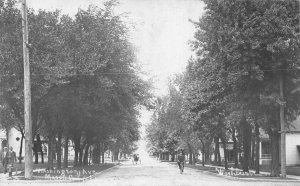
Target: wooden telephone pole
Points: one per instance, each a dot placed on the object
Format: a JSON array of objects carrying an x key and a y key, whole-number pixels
[{"x": 27, "y": 96}]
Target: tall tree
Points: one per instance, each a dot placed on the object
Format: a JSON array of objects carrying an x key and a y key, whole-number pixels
[{"x": 243, "y": 45}]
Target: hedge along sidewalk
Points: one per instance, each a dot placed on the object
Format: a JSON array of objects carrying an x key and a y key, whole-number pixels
[
  {"x": 263, "y": 176},
  {"x": 71, "y": 174}
]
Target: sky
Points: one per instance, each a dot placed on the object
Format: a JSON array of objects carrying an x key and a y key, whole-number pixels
[{"x": 161, "y": 35}]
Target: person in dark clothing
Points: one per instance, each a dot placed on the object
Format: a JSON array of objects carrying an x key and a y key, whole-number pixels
[
  {"x": 4, "y": 159},
  {"x": 181, "y": 158},
  {"x": 12, "y": 156},
  {"x": 37, "y": 147}
]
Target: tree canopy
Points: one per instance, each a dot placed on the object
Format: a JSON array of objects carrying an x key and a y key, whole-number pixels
[
  {"x": 243, "y": 50},
  {"x": 86, "y": 82}
]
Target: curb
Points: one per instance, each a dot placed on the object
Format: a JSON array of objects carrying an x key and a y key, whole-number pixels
[
  {"x": 243, "y": 179},
  {"x": 255, "y": 179},
  {"x": 73, "y": 180},
  {"x": 101, "y": 172}
]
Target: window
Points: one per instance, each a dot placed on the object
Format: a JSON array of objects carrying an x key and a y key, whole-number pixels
[{"x": 266, "y": 150}]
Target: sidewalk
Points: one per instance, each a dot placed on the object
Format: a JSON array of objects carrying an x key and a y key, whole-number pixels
[
  {"x": 63, "y": 175},
  {"x": 18, "y": 168},
  {"x": 262, "y": 177},
  {"x": 265, "y": 174}
]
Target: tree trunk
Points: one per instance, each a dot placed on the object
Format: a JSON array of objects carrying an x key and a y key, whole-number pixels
[
  {"x": 203, "y": 152},
  {"x": 190, "y": 153},
  {"x": 77, "y": 149},
  {"x": 203, "y": 158},
  {"x": 66, "y": 151},
  {"x": 36, "y": 155},
  {"x": 21, "y": 148},
  {"x": 100, "y": 154},
  {"x": 102, "y": 157},
  {"x": 59, "y": 138},
  {"x": 235, "y": 150},
  {"x": 96, "y": 154},
  {"x": 246, "y": 128},
  {"x": 50, "y": 152},
  {"x": 217, "y": 151},
  {"x": 90, "y": 154},
  {"x": 194, "y": 158},
  {"x": 216, "y": 140},
  {"x": 173, "y": 157},
  {"x": 282, "y": 125},
  {"x": 115, "y": 155},
  {"x": 76, "y": 155},
  {"x": 252, "y": 152},
  {"x": 219, "y": 158},
  {"x": 42, "y": 154},
  {"x": 167, "y": 156},
  {"x": 275, "y": 153},
  {"x": 81, "y": 155},
  {"x": 86, "y": 154},
  {"x": 207, "y": 153},
  {"x": 225, "y": 153},
  {"x": 257, "y": 148}
]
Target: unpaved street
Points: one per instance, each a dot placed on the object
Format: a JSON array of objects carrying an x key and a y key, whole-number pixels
[{"x": 151, "y": 172}]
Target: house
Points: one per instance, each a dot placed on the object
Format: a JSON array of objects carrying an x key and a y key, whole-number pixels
[
  {"x": 292, "y": 146},
  {"x": 14, "y": 139},
  {"x": 3, "y": 140}
]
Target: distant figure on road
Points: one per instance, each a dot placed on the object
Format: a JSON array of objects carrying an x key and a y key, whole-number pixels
[
  {"x": 181, "y": 159},
  {"x": 4, "y": 158},
  {"x": 136, "y": 158}
]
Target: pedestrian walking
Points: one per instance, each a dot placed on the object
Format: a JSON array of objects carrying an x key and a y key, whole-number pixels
[
  {"x": 4, "y": 159},
  {"x": 12, "y": 156},
  {"x": 181, "y": 160}
]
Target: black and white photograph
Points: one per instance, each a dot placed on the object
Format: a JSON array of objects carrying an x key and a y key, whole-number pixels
[{"x": 150, "y": 92}]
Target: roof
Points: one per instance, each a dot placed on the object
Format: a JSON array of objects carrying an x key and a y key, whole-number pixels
[{"x": 295, "y": 125}]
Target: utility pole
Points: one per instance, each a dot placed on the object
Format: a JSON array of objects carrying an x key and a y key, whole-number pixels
[
  {"x": 282, "y": 129},
  {"x": 27, "y": 96}
]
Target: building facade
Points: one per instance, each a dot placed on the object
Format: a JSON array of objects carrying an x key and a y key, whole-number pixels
[{"x": 265, "y": 151}]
